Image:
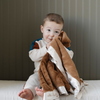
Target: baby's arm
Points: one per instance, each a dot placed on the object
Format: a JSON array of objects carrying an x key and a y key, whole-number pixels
[
  {"x": 37, "y": 51},
  {"x": 37, "y": 54}
]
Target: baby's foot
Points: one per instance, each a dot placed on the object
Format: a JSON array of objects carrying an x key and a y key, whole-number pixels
[
  {"x": 26, "y": 94},
  {"x": 39, "y": 92}
]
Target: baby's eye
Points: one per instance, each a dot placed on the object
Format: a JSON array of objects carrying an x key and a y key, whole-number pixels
[
  {"x": 56, "y": 32},
  {"x": 48, "y": 30}
]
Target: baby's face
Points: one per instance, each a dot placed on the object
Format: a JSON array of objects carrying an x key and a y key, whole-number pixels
[{"x": 50, "y": 30}]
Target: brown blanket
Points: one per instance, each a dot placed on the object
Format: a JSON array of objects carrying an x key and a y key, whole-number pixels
[{"x": 51, "y": 76}]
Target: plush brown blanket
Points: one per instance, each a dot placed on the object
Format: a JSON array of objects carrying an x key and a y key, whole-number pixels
[{"x": 51, "y": 77}]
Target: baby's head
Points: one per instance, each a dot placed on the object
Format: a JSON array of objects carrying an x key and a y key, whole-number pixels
[
  {"x": 53, "y": 18},
  {"x": 52, "y": 26}
]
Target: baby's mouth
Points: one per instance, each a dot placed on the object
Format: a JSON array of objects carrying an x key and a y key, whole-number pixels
[{"x": 50, "y": 39}]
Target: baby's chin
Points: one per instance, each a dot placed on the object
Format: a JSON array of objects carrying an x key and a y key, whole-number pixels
[{"x": 49, "y": 41}]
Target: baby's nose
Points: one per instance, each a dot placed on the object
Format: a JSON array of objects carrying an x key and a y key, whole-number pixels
[{"x": 52, "y": 34}]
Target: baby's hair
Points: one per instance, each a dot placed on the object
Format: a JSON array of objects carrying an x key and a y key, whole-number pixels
[{"x": 54, "y": 18}]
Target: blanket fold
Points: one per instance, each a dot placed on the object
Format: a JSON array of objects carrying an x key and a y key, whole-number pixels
[{"x": 58, "y": 73}]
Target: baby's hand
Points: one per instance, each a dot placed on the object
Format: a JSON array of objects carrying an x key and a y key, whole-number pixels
[
  {"x": 47, "y": 46},
  {"x": 26, "y": 94}
]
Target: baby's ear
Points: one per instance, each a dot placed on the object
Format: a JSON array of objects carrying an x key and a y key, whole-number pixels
[{"x": 41, "y": 27}]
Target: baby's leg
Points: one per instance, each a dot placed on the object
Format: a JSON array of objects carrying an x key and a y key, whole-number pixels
[
  {"x": 26, "y": 94},
  {"x": 39, "y": 92}
]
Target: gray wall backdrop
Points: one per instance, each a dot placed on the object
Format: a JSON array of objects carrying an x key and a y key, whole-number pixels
[{"x": 20, "y": 22}]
